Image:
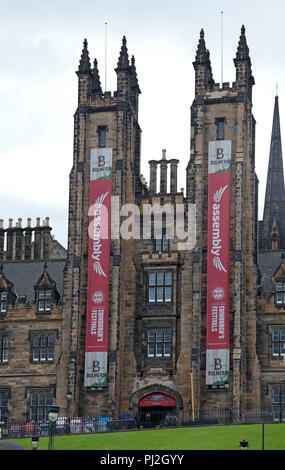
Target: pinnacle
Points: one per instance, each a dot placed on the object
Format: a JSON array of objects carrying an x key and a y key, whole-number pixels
[
  {"x": 134, "y": 73},
  {"x": 123, "y": 62},
  {"x": 84, "y": 64},
  {"x": 96, "y": 83},
  {"x": 242, "y": 50},
  {"x": 201, "y": 54}
]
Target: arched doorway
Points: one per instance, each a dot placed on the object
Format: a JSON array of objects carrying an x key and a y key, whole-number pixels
[{"x": 156, "y": 409}]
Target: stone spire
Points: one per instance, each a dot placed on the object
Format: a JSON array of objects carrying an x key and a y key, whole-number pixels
[
  {"x": 84, "y": 64},
  {"x": 274, "y": 206},
  {"x": 96, "y": 83},
  {"x": 123, "y": 62}
]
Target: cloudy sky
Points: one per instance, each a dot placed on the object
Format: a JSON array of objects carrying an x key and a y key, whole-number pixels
[{"x": 40, "y": 47}]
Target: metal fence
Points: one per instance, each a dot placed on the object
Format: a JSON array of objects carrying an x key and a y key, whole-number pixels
[{"x": 141, "y": 420}]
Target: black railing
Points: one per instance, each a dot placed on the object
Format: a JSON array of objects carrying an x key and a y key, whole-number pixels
[{"x": 141, "y": 420}]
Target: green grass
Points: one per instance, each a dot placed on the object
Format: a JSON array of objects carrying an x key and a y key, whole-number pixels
[{"x": 195, "y": 438}]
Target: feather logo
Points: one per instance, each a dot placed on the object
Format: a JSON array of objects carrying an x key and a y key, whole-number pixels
[
  {"x": 98, "y": 269},
  {"x": 218, "y": 264},
  {"x": 218, "y": 194},
  {"x": 101, "y": 198}
]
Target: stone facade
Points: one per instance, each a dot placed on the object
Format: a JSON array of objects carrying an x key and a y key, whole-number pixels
[{"x": 158, "y": 292}]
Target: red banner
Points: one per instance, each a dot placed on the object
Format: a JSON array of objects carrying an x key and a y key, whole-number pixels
[
  {"x": 218, "y": 263},
  {"x": 157, "y": 399},
  {"x": 96, "y": 349}
]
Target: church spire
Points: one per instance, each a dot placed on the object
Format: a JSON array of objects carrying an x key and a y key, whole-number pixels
[{"x": 274, "y": 207}]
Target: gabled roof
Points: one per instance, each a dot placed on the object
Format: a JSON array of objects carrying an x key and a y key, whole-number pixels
[
  {"x": 268, "y": 263},
  {"x": 24, "y": 275}
]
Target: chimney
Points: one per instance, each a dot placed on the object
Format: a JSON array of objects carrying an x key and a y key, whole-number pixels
[
  {"x": 173, "y": 175},
  {"x": 19, "y": 240},
  {"x": 46, "y": 238},
  {"x": 38, "y": 239},
  {"x": 163, "y": 172},
  {"x": 153, "y": 176},
  {"x": 10, "y": 232},
  {"x": 28, "y": 240}
]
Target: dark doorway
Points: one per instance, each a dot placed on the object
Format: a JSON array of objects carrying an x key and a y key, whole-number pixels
[{"x": 156, "y": 416}]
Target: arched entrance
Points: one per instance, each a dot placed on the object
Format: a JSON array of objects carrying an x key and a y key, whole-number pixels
[{"x": 156, "y": 409}]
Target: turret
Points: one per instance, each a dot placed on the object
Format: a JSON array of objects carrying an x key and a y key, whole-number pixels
[
  {"x": 124, "y": 73},
  {"x": 84, "y": 74},
  {"x": 244, "y": 78}
]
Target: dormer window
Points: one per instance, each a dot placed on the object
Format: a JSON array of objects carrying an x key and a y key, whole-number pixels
[
  {"x": 280, "y": 293},
  {"x": 3, "y": 301},
  {"x": 46, "y": 293},
  {"x": 44, "y": 300}
]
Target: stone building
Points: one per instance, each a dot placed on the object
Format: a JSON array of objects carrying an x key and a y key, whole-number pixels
[{"x": 157, "y": 322}]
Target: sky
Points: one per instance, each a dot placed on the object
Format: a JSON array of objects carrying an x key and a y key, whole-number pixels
[{"x": 40, "y": 48}]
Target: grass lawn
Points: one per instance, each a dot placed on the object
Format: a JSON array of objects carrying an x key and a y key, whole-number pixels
[{"x": 195, "y": 438}]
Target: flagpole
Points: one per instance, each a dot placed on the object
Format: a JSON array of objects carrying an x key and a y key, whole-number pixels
[
  {"x": 105, "y": 56},
  {"x": 222, "y": 49}
]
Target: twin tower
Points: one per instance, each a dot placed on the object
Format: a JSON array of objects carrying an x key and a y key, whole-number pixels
[{"x": 161, "y": 311}]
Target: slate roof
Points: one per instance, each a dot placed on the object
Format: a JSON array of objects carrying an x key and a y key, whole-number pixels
[
  {"x": 268, "y": 263},
  {"x": 25, "y": 274}
]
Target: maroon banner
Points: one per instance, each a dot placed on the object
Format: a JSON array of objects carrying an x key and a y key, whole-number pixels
[
  {"x": 218, "y": 263},
  {"x": 96, "y": 349}
]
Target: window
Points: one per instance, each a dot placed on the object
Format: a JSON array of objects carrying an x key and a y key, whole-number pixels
[
  {"x": 44, "y": 300},
  {"x": 3, "y": 301},
  {"x": 278, "y": 402},
  {"x": 159, "y": 343},
  {"x": 280, "y": 293},
  {"x": 278, "y": 343},
  {"x": 274, "y": 243},
  {"x": 3, "y": 406},
  {"x": 43, "y": 348},
  {"x": 4, "y": 343},
  {"x": 102, "y": 132},
  {"x": 40, "y": 401},
  {"x": 160, "y": 287},
  {"x": 220, "y": 123},
  {"x": 162, "y": 244}
]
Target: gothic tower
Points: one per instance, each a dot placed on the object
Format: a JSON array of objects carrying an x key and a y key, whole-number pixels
[
  {"x": 222, "y": 125},
  {"x": 105, "y": 125}
]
